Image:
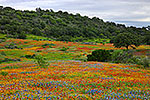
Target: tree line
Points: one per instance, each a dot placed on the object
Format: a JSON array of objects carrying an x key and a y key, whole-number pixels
[{"x": 63, "y": 26}]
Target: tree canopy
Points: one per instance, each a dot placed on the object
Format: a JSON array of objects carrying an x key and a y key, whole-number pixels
[
  {"x": 126, "y": 40},
  {"x": 61, "y": 25}
]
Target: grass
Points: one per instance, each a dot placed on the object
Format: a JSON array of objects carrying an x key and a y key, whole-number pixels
[
  {"x": 30, "y": 36},
  {"x": 2, "y": 36},
  {"x": 67, "y": 76}
]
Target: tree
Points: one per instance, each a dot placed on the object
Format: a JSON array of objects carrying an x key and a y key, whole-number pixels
[
  {"x": 22, "y": 35},
  {"x": 62, "y": 25},
  {"x": 36, "y": 31},
  {"x": 99, "y": 55},
  {"x": 126, "y": 40},
  {"x": 146, "y": 39},
  {"x": 41, "y": 61}
]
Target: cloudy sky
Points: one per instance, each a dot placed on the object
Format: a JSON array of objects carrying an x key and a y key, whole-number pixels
[{"x": 129, "y": 12}]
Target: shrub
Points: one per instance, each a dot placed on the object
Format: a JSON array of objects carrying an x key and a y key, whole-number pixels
[
  {"x": 118, "y": 56},
  {"x": 99, "y": 55},
  {"x": 11, "y": 46},
  {"x": 25, "y": 42},
  {"x": 2, "y": 40},
  {"x": 0, "y": 61},
  {"x": 145, "y": 62},
  {"x": 64, "y": 49},
  {"x": 4, "y": 73},
  {"x": 3, "y": 53},
  {"x": 123, "y": 56},
  {"x": 41, "y": 61},
  {"x": 39, "y": 51},
  {"x": 30, "y": 56},
  {"x": 50, "y": 45}
]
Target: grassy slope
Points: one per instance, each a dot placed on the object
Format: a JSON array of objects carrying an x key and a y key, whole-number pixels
[{"x": 66, "y": 77}]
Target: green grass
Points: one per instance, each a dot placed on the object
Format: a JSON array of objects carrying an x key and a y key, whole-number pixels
[
  {"x": 4, "y": 73},
  {"x": 14, "y": 53},
  {"x": 30, "y": 36},
  {"x": 2, "y": 36},
  {"x": 97, "y": 40},
  {"x": 59, "y": 56}
]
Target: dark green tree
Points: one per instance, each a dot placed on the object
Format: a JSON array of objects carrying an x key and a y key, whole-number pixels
[
  {"x": 146, "y": 39},
  {"x": 126, "y": 40},
  {"x": 62, "y": 25},
  {"x": 99, "y": 55},
  {"x": 36, "y": 31}
]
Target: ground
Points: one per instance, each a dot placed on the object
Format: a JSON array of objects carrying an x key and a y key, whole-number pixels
[{"x": 69, "y": 75}]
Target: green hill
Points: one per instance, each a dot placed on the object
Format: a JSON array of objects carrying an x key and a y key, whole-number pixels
[{"x": 62, "y": 26}]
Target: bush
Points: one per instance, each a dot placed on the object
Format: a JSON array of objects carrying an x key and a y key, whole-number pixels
[
  {"x": 30, "y": 56},
  {"x": 0, "y": 61},
  {"x": 100, "y": 55},
  {"x": 41, "y": 61},
  {"x": 2, "y": 40},
  {"x": 3, "y": 53},
  {"x": 11, "y": 46},
  {"x": 121, "y": 56},
  {"x": 64, "y": 49},
  {"x": 145, "y": 62},
  {"x": 118, "y": 56},
  {"x": 4, "y": 73},
  {"x": 50, "y": 45}
]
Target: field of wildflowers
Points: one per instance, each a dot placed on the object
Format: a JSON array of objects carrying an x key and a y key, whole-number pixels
[{"x": 67, "y": 76}]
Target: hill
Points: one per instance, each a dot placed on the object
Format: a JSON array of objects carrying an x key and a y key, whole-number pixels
[
  {"x": 68, "y": 75},
  {"x": 61, "y": 26}
]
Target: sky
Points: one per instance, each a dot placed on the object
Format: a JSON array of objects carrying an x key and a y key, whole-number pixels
[{"x": 129, "y": 12}]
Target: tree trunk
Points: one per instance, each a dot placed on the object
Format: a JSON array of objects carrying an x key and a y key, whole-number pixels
[
  {"x": 133, "y": 47},
  {"x": 127, "y": 47}
]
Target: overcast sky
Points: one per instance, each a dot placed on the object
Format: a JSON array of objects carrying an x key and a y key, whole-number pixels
[{"x": 129, "y": 12}]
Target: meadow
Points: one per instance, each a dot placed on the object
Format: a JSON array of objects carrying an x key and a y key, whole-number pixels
[{"x": 68, "y": 76}]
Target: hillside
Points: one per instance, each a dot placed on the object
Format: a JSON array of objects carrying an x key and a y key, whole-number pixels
[
  {"x": 68, "y": 74},
  {"x": 62, "y": 25}
]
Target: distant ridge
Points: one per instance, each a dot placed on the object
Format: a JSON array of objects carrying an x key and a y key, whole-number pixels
[{"x": 62, "y": 26}]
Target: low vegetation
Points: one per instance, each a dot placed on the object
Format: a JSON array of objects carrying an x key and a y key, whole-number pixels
[
  {"x": 47, "y": 55},
  {"x": 41, "y": 61},
  {"x": 63, "y": 26},
  {"x": 60, "y": 70},
  {"x": 118, "y": 56},
  {"x": 4, "y": 73},
  {"x": 99, "y": 55}
]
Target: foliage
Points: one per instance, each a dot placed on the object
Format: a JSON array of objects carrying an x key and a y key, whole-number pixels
[
  {"x": 68, "y": 76},
  {"x": 2, "y": 40},
  {"x": 36, "y": 31},
  {"x": 35, "y": 37},
  {"x": 146, "y": 39},
  {"x": 99, "y": 55},
  {"x": 30, "y": 56},
  {"x": 62, "y": 26},
  {"x": 145, "y": 62},
  {"x": 41, "y": 61},
  {"x": 64, "y": 48},
  {"x": 49, "y": 45},
  {"x": 120, "y": 56},
  {"x": 11, "y": 46},
  {"x": 126, "y": 40},
  {"x": 4, "y": 73}
]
